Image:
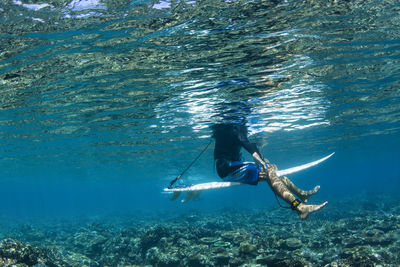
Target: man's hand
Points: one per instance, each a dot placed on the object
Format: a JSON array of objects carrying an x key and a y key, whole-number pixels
[{"x": 257, "y": 158}]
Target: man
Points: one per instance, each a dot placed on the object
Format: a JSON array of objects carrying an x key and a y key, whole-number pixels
[{"x": 229, "y": 139}]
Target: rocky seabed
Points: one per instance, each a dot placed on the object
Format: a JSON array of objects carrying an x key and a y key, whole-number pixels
[{"x": 345, "y": 237}]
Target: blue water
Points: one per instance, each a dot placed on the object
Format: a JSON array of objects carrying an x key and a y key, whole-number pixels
[{"x": 102, "y": 105}]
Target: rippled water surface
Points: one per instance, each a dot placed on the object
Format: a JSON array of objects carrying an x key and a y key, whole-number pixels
[{"x": 96, "y": 89}]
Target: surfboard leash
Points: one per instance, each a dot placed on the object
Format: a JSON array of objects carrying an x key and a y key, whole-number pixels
[
  {"x": 292, "y": 206},
  {"x": 279, "y": 203},
  {"x": 190, "y": 165}
]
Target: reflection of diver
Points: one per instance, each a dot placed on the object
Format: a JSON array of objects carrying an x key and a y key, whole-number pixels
[{"x": 229, "y": 139}]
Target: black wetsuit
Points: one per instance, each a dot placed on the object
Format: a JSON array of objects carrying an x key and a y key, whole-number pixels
[{"x": 229, "y": 139}]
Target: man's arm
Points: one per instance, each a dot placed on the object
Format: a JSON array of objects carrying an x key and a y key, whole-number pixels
[{"x": 250, "y": 147}]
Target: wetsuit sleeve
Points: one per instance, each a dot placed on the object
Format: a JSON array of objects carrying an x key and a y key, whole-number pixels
[{"x": 244, "y": 141}]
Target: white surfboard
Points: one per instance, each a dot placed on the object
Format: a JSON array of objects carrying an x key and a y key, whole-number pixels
[
  {"x": 194, "y": 191},
  {"x": 302, "y": 167}
]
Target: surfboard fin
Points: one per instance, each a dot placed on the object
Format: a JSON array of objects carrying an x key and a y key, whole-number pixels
[
  {"x": 191, "y": 195},
  {"x": 175, "y": 196},
  {"x": 188, "y": 196}
]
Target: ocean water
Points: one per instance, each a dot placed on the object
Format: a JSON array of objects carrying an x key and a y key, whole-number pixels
[{"x": 103, "y": 103}]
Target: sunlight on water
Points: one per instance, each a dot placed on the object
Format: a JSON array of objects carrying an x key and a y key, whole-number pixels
[{"x": 142, "y": 75}]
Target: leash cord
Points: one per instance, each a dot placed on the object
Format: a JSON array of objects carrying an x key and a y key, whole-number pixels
[
  {"x": 190, "y": 165},
  {"x": 279, "y": 203}
]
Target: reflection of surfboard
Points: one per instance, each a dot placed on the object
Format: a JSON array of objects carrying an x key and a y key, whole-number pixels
[{"x": 194, "y": 191}]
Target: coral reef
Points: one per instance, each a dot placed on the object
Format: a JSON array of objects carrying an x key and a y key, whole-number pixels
[
  {"x": 16, "y": 253},
  {"x": 356, "y": 237}
]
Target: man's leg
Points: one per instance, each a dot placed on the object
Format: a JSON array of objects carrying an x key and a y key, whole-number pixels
[
  {"x": 303, "y": 195},
  {"x": 281, "y": 190}
]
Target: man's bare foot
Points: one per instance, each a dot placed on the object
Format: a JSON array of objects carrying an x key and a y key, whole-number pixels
[
  {"x": 304, "y": 210},
  {"x": 309, "y": 193}
]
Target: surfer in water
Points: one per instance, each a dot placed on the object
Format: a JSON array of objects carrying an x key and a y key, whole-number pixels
[{"x": 229, "y": 139}]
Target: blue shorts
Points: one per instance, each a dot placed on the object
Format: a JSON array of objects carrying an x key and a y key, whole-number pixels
[{"x": 245, "y": 172}]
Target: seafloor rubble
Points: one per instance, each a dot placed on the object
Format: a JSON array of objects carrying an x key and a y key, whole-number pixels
[{"x": 346, "y": 234}]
